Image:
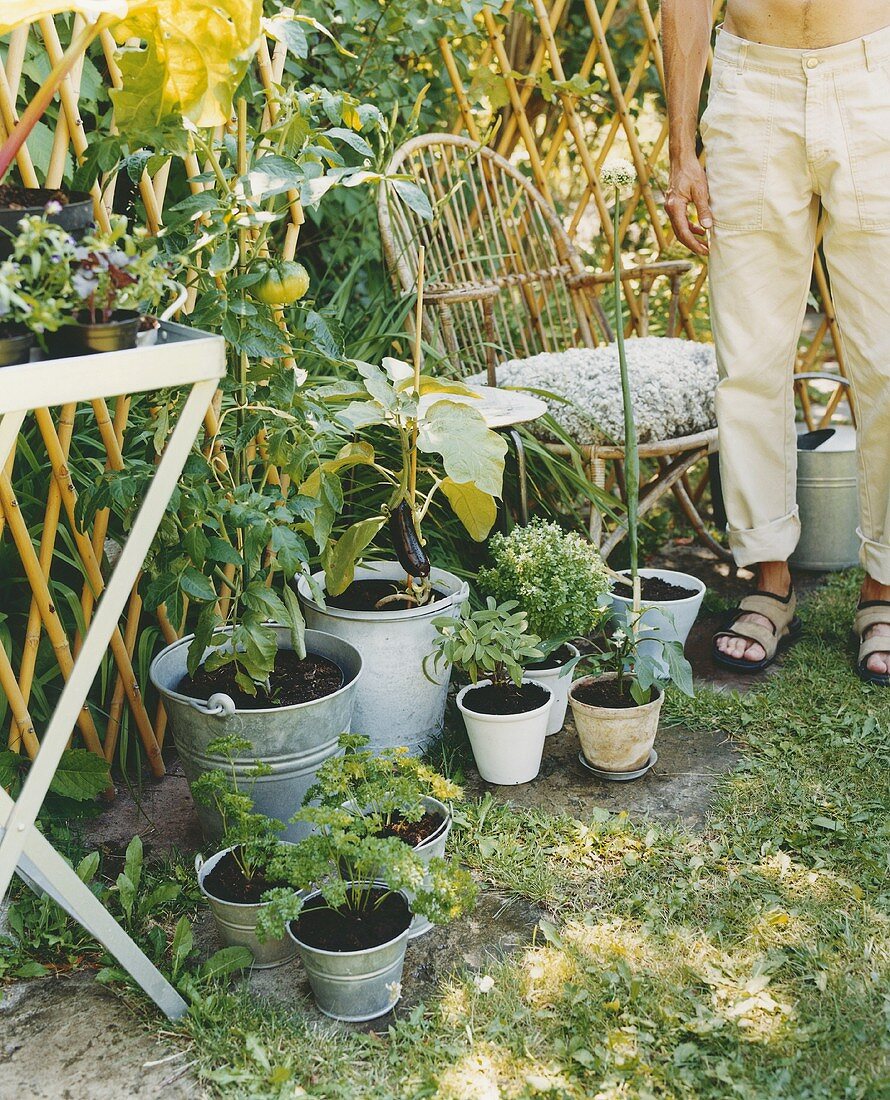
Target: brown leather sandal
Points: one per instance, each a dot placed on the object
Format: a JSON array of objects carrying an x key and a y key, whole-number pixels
[
  {"x": 869, "y": 614},
  {"x": 786, "y": 627}
]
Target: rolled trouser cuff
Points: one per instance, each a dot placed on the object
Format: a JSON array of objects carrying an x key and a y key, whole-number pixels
[
  {"x": 774, "y": 541},
  {"x": 875, "y": 558}
]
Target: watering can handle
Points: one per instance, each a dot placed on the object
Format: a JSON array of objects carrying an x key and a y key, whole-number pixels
[
  {"x": 177, "y": 304},
  {"x": 219, "y": 705},
  {"x": 824, "y": 375}
]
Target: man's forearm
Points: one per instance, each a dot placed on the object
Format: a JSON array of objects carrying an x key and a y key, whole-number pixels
[{"x": 686, "y": 33}]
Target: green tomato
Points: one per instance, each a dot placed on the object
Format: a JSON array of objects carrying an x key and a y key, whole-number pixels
[{"x": 282, "y": 285}]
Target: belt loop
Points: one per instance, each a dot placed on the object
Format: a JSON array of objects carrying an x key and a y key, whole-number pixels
[
  {"x": 870, "y": 61},
  {"x": 743, "y": 56}
]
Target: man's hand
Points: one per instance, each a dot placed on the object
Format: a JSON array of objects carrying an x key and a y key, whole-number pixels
[{"x": 689, "y": 187}]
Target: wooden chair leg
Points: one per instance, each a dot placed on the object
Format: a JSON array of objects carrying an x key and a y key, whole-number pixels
[
  {"x": 596, "y": 472},
  {"x": 695, "y": 519},
  {"x": 521, "y": 473},
  {"x": 655, "y": 490}
]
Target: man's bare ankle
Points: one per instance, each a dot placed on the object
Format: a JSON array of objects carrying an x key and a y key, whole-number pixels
[
  {"x": 874, "y": 590},
  {"x": 774, "y": 576}
]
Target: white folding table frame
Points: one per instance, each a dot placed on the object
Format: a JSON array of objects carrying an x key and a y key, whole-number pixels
[{"x": 181, "y": 358}]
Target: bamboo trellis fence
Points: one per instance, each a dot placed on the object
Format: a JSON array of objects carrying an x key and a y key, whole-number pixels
[
  {"x": 37, "y": 547},
  {"x": 569, "y": 139},
  {"x": 562, "y": 131}
]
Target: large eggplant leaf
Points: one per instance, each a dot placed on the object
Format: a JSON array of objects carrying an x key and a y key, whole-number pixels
[
  {"x": 470, "y": 450},
  {"x": 194, "y": 56},
  {"x": 476, "y": 510}
]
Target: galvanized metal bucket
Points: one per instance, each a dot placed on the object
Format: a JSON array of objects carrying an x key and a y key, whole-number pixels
[
  {"x": 430, "y": 848},
  {"x": 395, "y": 703},
  {"x": 236, "y": 922},
  {"x": 827, "y": 497},
  {"x": 355, "y": 986},
  {"x": 294, "y": 741}
]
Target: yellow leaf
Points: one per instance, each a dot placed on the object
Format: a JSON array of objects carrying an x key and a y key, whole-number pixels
[
  {"x": 17, "y": 12},
  {"x": 476, "y": 510}
]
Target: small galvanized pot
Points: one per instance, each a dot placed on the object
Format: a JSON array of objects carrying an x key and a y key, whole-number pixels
[
  {"x": 294, "y": 741},
  {"x": 81, "y": 337},
  {"x": 15, "y": 348},
  {"x": 433, "y": 846},
  {"x": 430, "y": 848},
  {"x": 355, "y": 986},
  {"x": 236, "y": 922},
  {"x": 615, "y": 739}
]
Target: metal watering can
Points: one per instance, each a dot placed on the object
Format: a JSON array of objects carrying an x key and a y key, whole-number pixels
[{"x": 827, "y": 494}]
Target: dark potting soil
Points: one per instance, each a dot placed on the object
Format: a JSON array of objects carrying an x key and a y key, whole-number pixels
[
  {"x": 292, "y": 681},
  {"x": 227, "y": 883},
  {"x": 385, "y": 917},
  {"x": 656, "y": 590},
  {"x": 556, "y": 659},
  {"x": 365, "y": 596},
  {"x": 13, "y": 197},
  {"x": 604, "y": 694},
  {"x": 505, "y": 700},
  {"x": 414, "y": 832}
]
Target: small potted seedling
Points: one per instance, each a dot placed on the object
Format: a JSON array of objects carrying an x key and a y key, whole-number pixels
[
  {"x": 559, "y": 580},
  {"x": 505, "y": 713},
  {"x": 236, "y": 878},
  {"x": 617, "y": 706},
  {"x": 352, "y": 927},
  {"x": 83, "y": 297},
  {"x": 396, "y": 793}
]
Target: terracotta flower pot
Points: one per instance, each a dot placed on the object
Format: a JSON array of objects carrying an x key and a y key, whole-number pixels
[{"x": 615, "y": 739}]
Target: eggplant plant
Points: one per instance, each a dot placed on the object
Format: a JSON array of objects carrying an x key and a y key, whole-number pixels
[{"x": 445, "y": 446}]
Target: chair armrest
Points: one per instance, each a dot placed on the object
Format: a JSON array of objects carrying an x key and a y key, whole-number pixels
[
  {"x": 452, "y": 293},
  {"x": 638, "y": 271}
]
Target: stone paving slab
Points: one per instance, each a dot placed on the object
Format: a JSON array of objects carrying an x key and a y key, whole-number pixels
[{"x": 69, "y": 1038}]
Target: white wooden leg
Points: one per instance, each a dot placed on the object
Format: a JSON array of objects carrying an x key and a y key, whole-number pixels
[
  {"x": 43, "y": 868},
  {"x": 24, "y": 813}
]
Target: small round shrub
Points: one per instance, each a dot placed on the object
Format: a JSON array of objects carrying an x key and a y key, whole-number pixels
[{"x": 557, "y": 578}]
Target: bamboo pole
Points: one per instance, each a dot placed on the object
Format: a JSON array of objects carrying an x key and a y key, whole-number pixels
[
  {"x": 39, "y": 587},
  {"x": 94, "y": 576}
]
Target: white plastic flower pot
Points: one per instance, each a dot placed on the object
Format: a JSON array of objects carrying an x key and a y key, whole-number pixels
[
  {"x": 559, "y": 684},
  {"x": 664, "y": 620},
  {"x": 507, "y": 747}
]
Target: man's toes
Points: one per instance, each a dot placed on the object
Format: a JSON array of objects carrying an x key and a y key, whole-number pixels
[
  {"x": 879, "y": 663},
  {"x": 755, "y": 652}
]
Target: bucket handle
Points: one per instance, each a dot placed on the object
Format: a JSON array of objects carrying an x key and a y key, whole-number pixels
[
  {"x": 199, "y": 863},
  {"x": 823, "y": 375},
  {"x": 219, "y": 705}
]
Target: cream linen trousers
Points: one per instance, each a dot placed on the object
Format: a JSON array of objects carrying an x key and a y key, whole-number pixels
[{"x": 783, "y": 129}]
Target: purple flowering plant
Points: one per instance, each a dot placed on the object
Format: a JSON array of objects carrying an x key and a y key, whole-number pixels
[{"x": 51, "y": 279}]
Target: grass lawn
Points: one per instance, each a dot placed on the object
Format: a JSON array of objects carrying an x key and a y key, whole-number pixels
[{"x": 749, "y": 960}]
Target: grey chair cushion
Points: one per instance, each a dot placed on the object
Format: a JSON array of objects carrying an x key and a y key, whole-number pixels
[{"x": 672, "y": 382}]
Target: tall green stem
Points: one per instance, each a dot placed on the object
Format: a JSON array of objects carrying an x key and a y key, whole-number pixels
[{"x": 631, "y": 456}]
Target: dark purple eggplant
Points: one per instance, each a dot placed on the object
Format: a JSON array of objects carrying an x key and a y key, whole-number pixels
[{"x": 406, "y": 543}]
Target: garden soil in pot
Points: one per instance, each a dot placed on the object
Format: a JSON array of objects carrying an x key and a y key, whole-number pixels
[
  {"x": 326, "y": 929},
  {"x": 292, "y": 681},
  {"x": 489, "y": 699},
  {"x": 226, "y": 882}
]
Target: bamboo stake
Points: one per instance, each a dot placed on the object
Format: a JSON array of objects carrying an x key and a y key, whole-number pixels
[
  {"x": 39, "y": 587},
  {"x": 94, "y": 576}
]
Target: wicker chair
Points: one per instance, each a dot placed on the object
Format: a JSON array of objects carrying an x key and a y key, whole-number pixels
[{"x": 505, "y": 281}]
